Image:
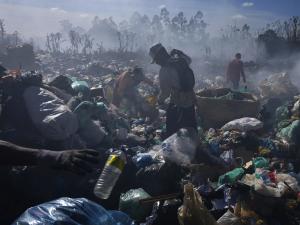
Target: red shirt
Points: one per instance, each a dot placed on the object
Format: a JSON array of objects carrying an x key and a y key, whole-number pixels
[{"x": 235, "y": 70}]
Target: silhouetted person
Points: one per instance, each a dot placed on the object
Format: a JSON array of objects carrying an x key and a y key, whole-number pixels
[
  {"x": 177, "y": 82},
  {"x": 235, "y": 70}
]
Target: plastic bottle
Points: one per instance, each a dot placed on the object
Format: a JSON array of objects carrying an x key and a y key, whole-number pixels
[{"x": 110, "y": 174}]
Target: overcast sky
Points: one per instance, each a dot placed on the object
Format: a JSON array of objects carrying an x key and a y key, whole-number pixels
[{"x": 37, "y": 17}]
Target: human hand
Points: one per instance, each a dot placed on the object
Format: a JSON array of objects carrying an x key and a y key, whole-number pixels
[{"x": 76, "y": 161}]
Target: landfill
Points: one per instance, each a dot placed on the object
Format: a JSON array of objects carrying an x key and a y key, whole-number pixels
[{"x": 84, "y": 149}]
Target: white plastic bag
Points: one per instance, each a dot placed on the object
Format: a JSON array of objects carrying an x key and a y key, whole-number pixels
[
  {"x": 229, "y": 219},
  {"x": 243, "y": 124},
  {"x": 180, "y": 147},
  {"x": 92, "y": 133},
  {"x": 49, "y": 114}
]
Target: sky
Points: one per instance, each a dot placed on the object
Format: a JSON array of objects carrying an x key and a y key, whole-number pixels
[{"x": 38, "y": 17}]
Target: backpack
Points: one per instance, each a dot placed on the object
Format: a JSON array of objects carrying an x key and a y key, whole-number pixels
[{"x": 185, "y": 73}]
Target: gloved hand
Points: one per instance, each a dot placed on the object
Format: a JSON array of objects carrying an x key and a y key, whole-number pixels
[
  {"x": 175, "y": 52},
  {"x": 77, "y": 161}
]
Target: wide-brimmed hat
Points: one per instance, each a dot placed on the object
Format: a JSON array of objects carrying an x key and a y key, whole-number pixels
[{"x": 154, "y": 50}]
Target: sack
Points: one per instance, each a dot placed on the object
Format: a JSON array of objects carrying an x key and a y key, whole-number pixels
[
  {"x": 185, "y": 73},
  {"x": 92, "y": 133},
  {"x": 52, "y": 118},
  {"x": 68, "y": 211},
  {"x": 290, "y": 133},
  {"x": 244, "y": 124},
  {"x": 229, "y": 219},
  {"x": 215, "y": 111},
  {"x": 193, "y": 210}
]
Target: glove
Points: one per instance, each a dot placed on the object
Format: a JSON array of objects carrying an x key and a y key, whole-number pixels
[
  {"x": 175, "y": 52},
  {"x": 76, "y": 161}
]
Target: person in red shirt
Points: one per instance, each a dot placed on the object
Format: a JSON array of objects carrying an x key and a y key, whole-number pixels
[{"x": 235, "y": 70}]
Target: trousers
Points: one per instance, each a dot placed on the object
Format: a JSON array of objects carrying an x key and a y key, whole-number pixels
[{"x": 180, "y": 117}]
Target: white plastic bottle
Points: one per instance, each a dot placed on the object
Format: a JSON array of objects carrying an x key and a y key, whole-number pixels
[{"x": 110, "y": 174}]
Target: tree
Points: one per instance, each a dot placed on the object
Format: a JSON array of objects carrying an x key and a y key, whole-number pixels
[
  {"x": 75, "y": 40},
  {"x": 197, "y": 27},
  {"x": 88, "y": 43},
  {"x": 66, "y": 26},
  {"x": 53, "y": 42},
  {"x": 272, "y": 42},
  {"x": 17, "y": 39},
  {"x": 179, "y": 25},
  {"x": 2, "y": 29},
  {"x": 165, "y": 17}
]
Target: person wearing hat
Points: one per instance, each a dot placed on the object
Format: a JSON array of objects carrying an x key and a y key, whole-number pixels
[
  {"x": 126, "y": 87},
  {"x": 235, "y": 70},
  {"x": 173, "y": 76}
]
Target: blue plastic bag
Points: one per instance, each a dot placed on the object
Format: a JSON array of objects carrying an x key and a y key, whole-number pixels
[{"x": 69, "y": 211}]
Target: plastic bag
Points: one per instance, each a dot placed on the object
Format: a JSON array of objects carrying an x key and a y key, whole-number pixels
[
  {"x": 231, "y": 177},
  {"x": 260, "y": 162},
  {"x": 49, "y": 114},
  {"x": 142, "y": 160},
  {"x": 69, "y": 211},
  {"x": 291, "y": 132},
  {"x": 129, "y": 203},
  {"x": 92, "y": 133},
  {"x": 193, "y": 211},
  {"x": 243, "y": 124},
  {"x": 229, "y": 219},
  {"x": 81, "y": 87},
  {"x": 180, "y": 147}
]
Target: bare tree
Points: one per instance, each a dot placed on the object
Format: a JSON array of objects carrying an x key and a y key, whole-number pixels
[
  {"x": 88, "y": 43},
  {"x": 16, "y": 38},
  {"x": 53, "y": 42},
  {"x": 75, "y": 40},
  {"x": 2, "y": 29}
]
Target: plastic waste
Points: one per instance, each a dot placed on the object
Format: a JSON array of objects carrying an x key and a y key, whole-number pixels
[
  {"x": 110, "y": 174},
  {"x": 291, "y": 132},
  {"x": 229, "y": 219},
  {"x": 81, "y": 87},
  {"x": 180, "y": 147},
  {"x": 260, "y": 162},
  {"x": 143, "y": 159},
  {"x": 193, "y": 210},
  {"x": 49, "y": 114},
  {"x": 129, "y": 204},
  {"x": 121, "y": 134},
  {"x": 71, "y": 211},
  {"x": 231, "y": 177},
  {"x": 244, "y": 124}
]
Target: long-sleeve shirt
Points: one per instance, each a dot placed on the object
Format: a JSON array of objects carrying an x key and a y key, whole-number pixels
[
  {"x": 235, "y": 70},
  {"x": 170, "y": 87}
]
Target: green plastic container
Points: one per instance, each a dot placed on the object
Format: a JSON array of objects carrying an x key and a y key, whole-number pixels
[
  {"x": 260, "y": 162},
  {"x": 231, "y": 177},
  {"x": 129, "y": 204}
]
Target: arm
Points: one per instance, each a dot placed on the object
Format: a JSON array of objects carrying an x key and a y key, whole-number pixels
[
  {"x": 181, "y": 54},
  {"x": 165, "y": 84},
  {"x": 13, "y": 155},
  {"x": 148, "y": 81},
  {"x": 77, "y": 161}
]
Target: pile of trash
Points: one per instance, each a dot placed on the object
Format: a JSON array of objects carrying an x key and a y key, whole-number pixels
[
  {"x": 232, "y": 170},
  {"x": 278, "y": 86}
]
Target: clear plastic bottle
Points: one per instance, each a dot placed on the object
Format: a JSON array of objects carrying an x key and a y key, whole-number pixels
[{"x": 110, "y": 174}]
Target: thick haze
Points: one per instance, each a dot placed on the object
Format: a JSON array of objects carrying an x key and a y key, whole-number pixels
[{"x": 38, "y": 17}]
